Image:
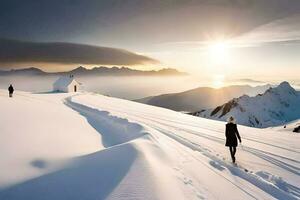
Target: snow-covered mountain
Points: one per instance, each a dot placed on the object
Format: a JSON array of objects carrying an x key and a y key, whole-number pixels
[
  {"x": 274, "y": 107},
  {"x": 201, "y": 97},
  {"x": 89, "y": 146}
]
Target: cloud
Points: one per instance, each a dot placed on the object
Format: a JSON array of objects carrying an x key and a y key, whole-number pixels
[
  {"x": 247, "y": 80},
  {"x": 280, "y": 31},
  {"x": 16, "y": 52},
  {"x": 140, "y": 23}
]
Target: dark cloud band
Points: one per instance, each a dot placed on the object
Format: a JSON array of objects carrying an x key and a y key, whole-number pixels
[{"x": 14, "y": 51}]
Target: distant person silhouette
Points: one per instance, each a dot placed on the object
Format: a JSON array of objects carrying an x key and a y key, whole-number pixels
[
  {"x": 10, "y": 90},
  {"x": 232, "y": 134}
]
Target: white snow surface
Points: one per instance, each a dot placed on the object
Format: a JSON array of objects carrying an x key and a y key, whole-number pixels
[
  {"x": 289, "y": 127},
  {"x": 89, "y": 146}
]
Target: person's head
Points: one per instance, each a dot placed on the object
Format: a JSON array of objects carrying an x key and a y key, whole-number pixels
[{"x": 231, "y": 119}]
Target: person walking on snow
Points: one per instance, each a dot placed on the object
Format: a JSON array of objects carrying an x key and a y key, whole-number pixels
[
  {"x": 232, "y": 134},
  {"x": 10, "y": 90}
]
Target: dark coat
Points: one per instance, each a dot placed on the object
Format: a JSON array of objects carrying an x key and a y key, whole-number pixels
[
  {"x": 10, "y": 89},
  {"x": 232, "y": 134}
]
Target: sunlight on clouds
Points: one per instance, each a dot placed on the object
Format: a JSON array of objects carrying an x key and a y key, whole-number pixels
[
  {"x": 284, "y": 30},
  {"x": 264, "y": 52}
]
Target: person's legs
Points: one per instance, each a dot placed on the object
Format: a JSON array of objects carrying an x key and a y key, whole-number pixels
[
  {"x": 10, "y": 94},
  {"x": 231, "y": 152}
]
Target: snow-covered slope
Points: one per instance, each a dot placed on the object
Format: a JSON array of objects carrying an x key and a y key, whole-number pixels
[
  {"x": 36, "y": 129},
  {"x": 276, "y": 106},
  {"x": 88, "y": 146},
  {"x": 289, "y": 127}
]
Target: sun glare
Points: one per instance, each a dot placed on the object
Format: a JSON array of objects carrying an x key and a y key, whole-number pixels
[
  {"x": 218, "y": 81},
  {"x": 218, "y": 51}
]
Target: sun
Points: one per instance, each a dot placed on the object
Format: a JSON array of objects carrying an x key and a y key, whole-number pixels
[
  {"x": 218, "y": 81},
  {"x": 218, "y": 51},
  {"x": 218, "y": 48}
]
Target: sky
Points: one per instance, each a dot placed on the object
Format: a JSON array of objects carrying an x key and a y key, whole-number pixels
[{"x": 256, "y": 40}]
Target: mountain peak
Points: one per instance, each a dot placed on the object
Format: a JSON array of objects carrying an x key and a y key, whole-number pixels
[
  {"x": 283, "y": 88},
  {"x": 79, "y": 69},
  {"x": 285, "y": 85}
]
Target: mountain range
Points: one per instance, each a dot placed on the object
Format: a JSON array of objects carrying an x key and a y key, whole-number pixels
[
  {"x": 96, "y": 71},
  {"x": 201, "y": 97},
  {"x": 276, "y": 106}
]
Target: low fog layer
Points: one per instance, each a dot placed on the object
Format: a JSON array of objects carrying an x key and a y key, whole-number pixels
[
  {"x": 127, "y": 87},
  {"x": 131, "y": 87}
]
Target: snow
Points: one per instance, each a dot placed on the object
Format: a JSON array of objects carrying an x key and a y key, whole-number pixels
[
  {"x": 276, "y": 106},
  {"x": 38, "y": 129},
  {"x": 89, "y": 146},
  {"x": 288, "y": 127}
]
